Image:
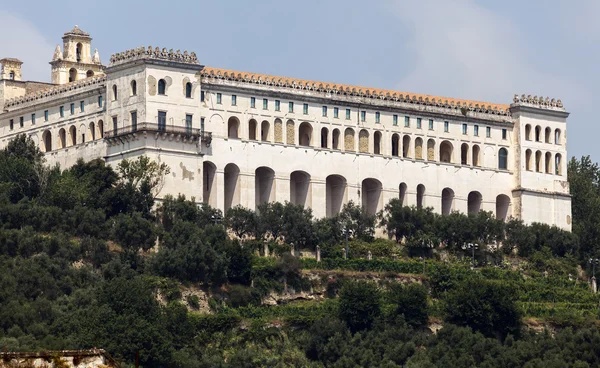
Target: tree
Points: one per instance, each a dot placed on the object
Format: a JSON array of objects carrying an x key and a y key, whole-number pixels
[
  {"x": 355, "y": 219},
  {"x": 410, "y": 301},
  {"x": 359, "y": 304},
  {"x": 298, "y": 225},
  {"x": 133, "y": 232},
  {"x": 270, "y": 220},
  {"x": 144, "y": 171},
  {"x": 241, "y": 220}
]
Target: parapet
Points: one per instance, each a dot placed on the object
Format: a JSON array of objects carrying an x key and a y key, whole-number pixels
[
  {"x": 156, "y": 53},
  {"x": 538, "y": 102}
]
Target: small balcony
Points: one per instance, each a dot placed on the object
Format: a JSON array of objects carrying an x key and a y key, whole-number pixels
[{"x": 159, "y": 130}]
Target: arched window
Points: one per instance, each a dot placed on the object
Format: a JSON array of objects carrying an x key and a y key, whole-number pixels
[
  {"x": 11, "y": 75},
  {"x": 528, "y": 160},
  {"x": 446, "y": 151},
  {"x": 503, "y": 159},
  {"x": 264, "y": 131},
  {"x": 233, "y": 126},
  {"x": 72, "y": 75},
  {"x": 527, "y": 132},
  {"x": 464, "y": 154},
  {"x": 406, "y": 146},
  {"x": 188, "y": 90},
  {"x": 47, "y": 139},
  {"x": 363, "y": 141},
  {"x": 548, "y": 163},
  {"x": 377, "y": 143},
  {"x": 476, "y": 153},
  {"x": 78, "y": 52},
  {"x": 335, "y": 139},
  {"x": 89, "y": 74},
  {"x": 62, "y": 138},
  {"x": 395, "y": 144},
  {"x": 305, "y": 132},
  {"x": 114, "y": 88},
  {"x": 538, "y": 161},
  {"x": 100, "y": 129},
  {"x": 324, "y": 137},
  {"x": 162, "y": 86},
  {"x": 558, "y": 164},
  {"x": 419, "y": 148},
  {"x": 252, "y": 126},
  {"x": 548, "y": 134},
  {"x": 133, "y": 88},
  {"x": 557, "y": 136},
  {"x": 538, "y": 133}
]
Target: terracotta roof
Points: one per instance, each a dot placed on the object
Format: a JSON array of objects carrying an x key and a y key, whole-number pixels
[
  {"x": 76, "y": 31},
  {"x": 356, "y": 90}
]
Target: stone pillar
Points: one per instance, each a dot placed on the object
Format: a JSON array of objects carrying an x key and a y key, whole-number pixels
[
  {"x": 293, "y": 250},
  {"x": 266, "y": 249},
  {"x": 319, "y": 200},
  {"x": 594, "y": 288},
  {"x": 369, "y": 256},
  {"x": 318, "y": 254}
]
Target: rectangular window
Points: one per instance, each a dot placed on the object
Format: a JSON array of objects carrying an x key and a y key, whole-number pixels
[
  {"x": 233, "y": 100},
  {"x": 464, "y": 128},
  {"x": 11, "y": 124},
  {"x": 476, "y": 130},
  {"x": 407, "y": 121},
  {"x": 363, "y": 115},
  {"x": 347, "y": 114},
  {"x": 252, "y": 102},
  {"x": 162, "y": 121},
  {"x": 488, "y": 132},
  {"x": 305, "y": 109},
  {"x": 395, "y": 120},
  {"x": 134, "y": 120},
  {"x": 21, "y": 122},
  {"x": 336, "y": 112},
  {"x": 81, "y": 106},
  {"x": 202, "y": 96},
  {"x": 45, "y": 115},
  {"x": 32, "y": 119},
  {"x": 418, "y": 123},
  {"x": 99, "y": 101},
  {"x": 291, "y": 107},
  {"x": 503, "y": 133},
  {"x": 446, "y": 126},
  {"x": 265, "y": 104},
  {"x": 188, "y": 123},
  {"x": 115, "y": 125},
  {"x": 62, "y": 111},
  {"x": 430, "y": 124},
  {"x": 219, "y": 98},
  {"x": 72, "y": 109},
  {"x": 377, "y": 117},
  {"x": 324, "y": 110},
  {"x": 277, "y": 105},
  {"x": 202, "y": 125}
]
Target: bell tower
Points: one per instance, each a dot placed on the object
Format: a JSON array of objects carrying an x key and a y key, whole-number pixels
[{"x": 76, "y": 61}]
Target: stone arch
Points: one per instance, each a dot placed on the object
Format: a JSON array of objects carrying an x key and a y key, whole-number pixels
[
  {"x": 290, "y": 132},
  {"x": 372, "y": 198},
  {"x": 502, "y": 207},
  {"x": 474, "y": 201},
  {"x": 81, "y": 131},
  {"x": 446, "y": 151},
  {"x": 349, "y": 139},
  {"x": 264, "y": 184},
  {"x": 231, "y": 178},
  {"x": 528, "y": 157},
  {"x": 464, "y": 154},
  {"x": 72, "y": 75},
  {"x": 89, "y": 74},
  {"x": 402, "y": 191},
  {"x": 557, "y": 136},
  {"x": 447, "y": 201},
  {"x": 47, "y": 140},
  {"x": 420, "y": 196},
  {"x": 377, "y": 143},
  {"x": 547, "y": 135},
  {"x": 363, "y": 141},
  {"x": 406, "y": 146},
  {"x": 527, "y": 132},
  {"x": 305, "y": 134},
  {"x": 264, "y": 131},
  {"x": 133, "y": 88},
  {"x": 278, "y": 130},
  {"x": 558, "y": 164},
  {"x": 419, "y": 148},
  {"x": 62, "y": 138},
  {"x": 335, "y": 139},
  {"x": 335, "y": 194},
  {"x": 162, "y": 87},
  {"x": 100, "y": 126},
  {"x": 233, "y": 127},
  {"x": 548, "y": 163},
  {"x": 395, "y": 144},
  {"x": 430, "y": 150},
  {"x": 300, "y": 189},
  {"x": 503, "y": 159},
  {"x": 538, "y": 133},
  {"x": 252, "y": 126},
  {"x": 188, "y": 90},
  {"x": 538, "y": 161},
  {"x": 209, "y": 195},
  {"x": 324, "y": 137},
  {"x": 72, "y": 135},
  {"x": 92, "y": 131},
  {"x": 476, "y": 155}
]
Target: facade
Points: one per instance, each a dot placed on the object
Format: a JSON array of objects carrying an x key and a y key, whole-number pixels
[
  {"x": 234, "y": 138},
  {"x": 92, "y": 358}
]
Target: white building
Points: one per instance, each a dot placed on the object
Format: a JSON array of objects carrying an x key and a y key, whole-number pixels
[{"x": 242, "y": 138}]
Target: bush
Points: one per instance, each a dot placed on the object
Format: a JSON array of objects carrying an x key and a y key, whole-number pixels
[
  {"x": 410, "y": 301},
  {"x": 359, "y": 305}
]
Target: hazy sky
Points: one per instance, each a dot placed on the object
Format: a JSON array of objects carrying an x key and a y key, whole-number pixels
[{"x": 482, "y": 50}]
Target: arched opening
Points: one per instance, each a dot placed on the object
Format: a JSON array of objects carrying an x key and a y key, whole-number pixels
[
  {"x": 305, "y": 132},
  {"x": 89, "y": 74},
  {"x": 162, "y": 87},
  {"x": 290, "y": 132},
  {"x": 419, "y": 148},
  {"x": 527, "y": 132},
  {"x": 474, "y": 203},
  {"x": 363, "y": 141},
  {"x": 264, "y": 185},
  {"x": 72, "y": 135},
  {"x": 395, "y": 144},
  {"x": 209, "y": 196},
  {"x": 278, "y": 131},
  {"x": 476, "y": 154},
  {"x": 430, "y": 150},
  {"x": 377, "y": 143},
  {"x": 324, "y": 137},
  {"x": 335, "y": 194},
  {"x": 47, "y": 139},
  {"x": 502, "y": 207},
  {"x": 558, "y": 164},
  {"x": 538, "y": 133},
  {"x": 92, "y": 131},
  {"x": 114, "y": 92},
  {"x": 447, "y": 201},
  {"x": 62, "y": 138},
  {"x": 446, "y": 151},
  {"x": 406, "y": 146},
  {"x": 349, "y": 139},
  {"x": 252, "y": 125},
  {"x": 528, "y": 160},
  {"x": 100, "y": 129},
  {"x": 264, "y": 131},
  {"x": 300, "y": 189},
  {"x": 538, "y": 161},
  {"x": 548, "y": 163},
  {"x": 548, "y": 134},
  {"x": 335, "y": 139},
  {"x": 557, "y": 136},
  {"x": 402, "y": 190},
  {"x": 72, "y": 75},
  {"x": 11, "y": 75},
  {"x": 133, "y": 88},
  {"x": 420, "y": 196},
  {"x": 371, "y": 196},
  {"x": 503, "y": 159},
  {"x": 231, "y": 177},
  {"x": 188, "y": 90},
  {"x": 78, "y": 52},
  {"x": 464, "y": 154},
  {"x": 233, "y": 127}
]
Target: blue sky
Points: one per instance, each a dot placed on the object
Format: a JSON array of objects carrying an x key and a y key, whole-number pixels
[{"x": 481, "y": 50}]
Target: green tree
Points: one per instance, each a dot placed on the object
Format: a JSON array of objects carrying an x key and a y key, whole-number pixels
[
  {"x": 410, "y": 301},
  {"x": 133, "y": 231},
  {"x": 355, "y": 219},
  {"x": 584, "y": 183},
  {"x": 241, "y": 220},
  {"x": 359, "y": 304}
]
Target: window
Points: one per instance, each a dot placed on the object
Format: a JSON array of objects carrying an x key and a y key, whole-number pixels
[
  {"x": 464, "y": 128},
  {"x": 61, "y": 111},
  {"x": 347, "y": 114},
  {"x": 305, "y": 109},
  {"x": 202, "y": 96},
  {"x": 162, "y": 121},
  {"x": 430, "y": 124},
  {"x": 99, "y": 101},
  {"x": 324, "y": 110},
  {"x": 502, "y": 159},
  {"x": 277, "y": 105},
  {"x": 336, "y": 112},
  {"x": 446, "y": 126},
  {"x": 488, "y": 132},
  {"x": 133, "y": 88},
  {"x": 72, "y": 109},
  {"x": 265, "y": 104},
  {"x": 395, "y": 120},
  {"x": 11, "y": 124},
  {"x": 233, "y": 100},
  {"x": 81, "y": 106},
  {"x": 11, "y": 75},
  {"x": 291, "y": 107},
  {"x": 115, "y": 125},
  {"x": 407, "y": 121},
  {"x": 252, "y": 102},
  {"x": 188, "y": 123},
  {"x": 188, "y": 90},
  {"x": 476, "y": 130},
  {"x": 363, "y": 115},
  {"x": 219, "y": 96},
  {"x": 503, "y": 133},
  {"x": 32, "y": 119},
  {"x": 162, "y": 87},
  {"x": 134, "y": 120},
  {"x": 202, "y": 125},
  {"x": 377, "y": 117},
  {"x": 114, "y": 88},
  {"x": 45, "y": 115},
  {"x": 418, "y": 123},
  {"x": 21, "y": 122}
]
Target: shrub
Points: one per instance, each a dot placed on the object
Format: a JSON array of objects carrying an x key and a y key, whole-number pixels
[{"x": 359, "y": 305}]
